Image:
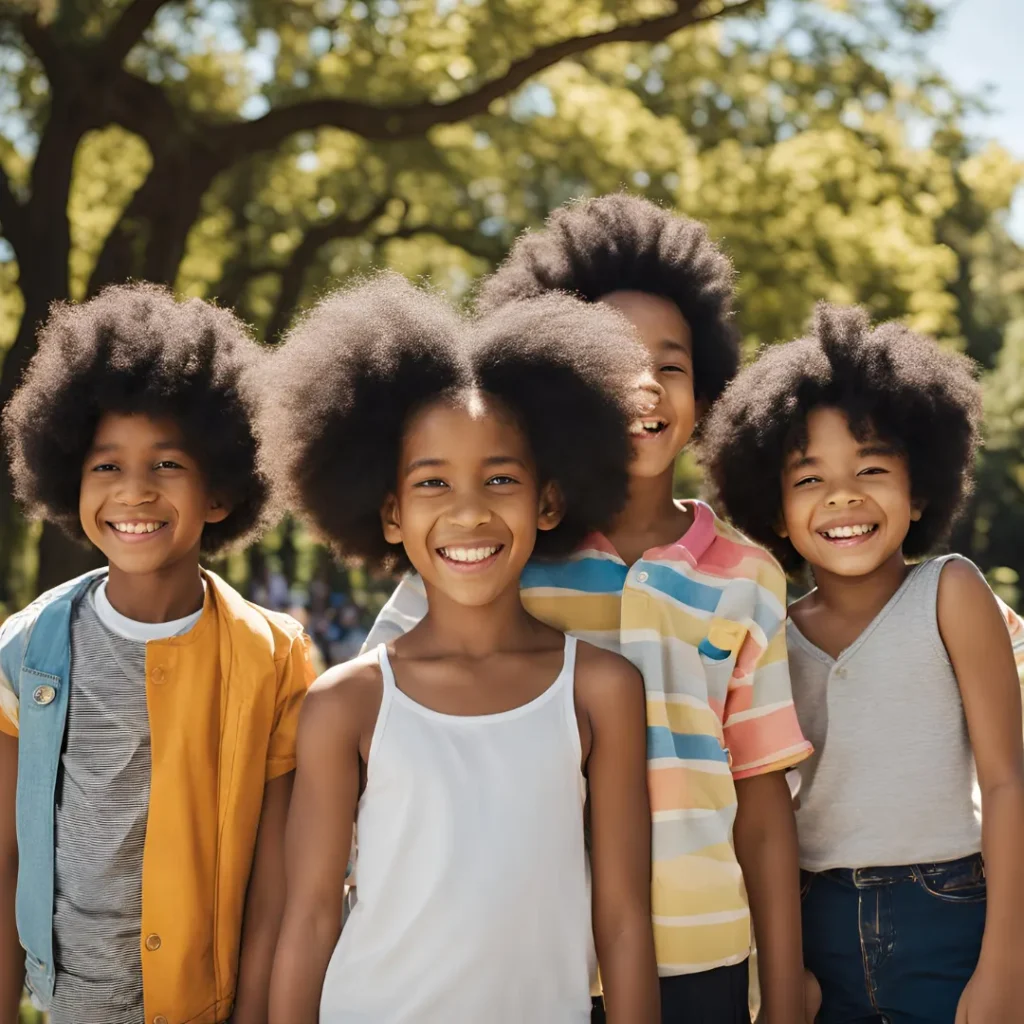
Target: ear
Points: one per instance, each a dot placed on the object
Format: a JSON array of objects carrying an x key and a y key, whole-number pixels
[
  {"x": 389, "y": 520},
  {"x": 916, "y": 511},
  {"x": 217, "y": 511},
  {"x": 780, "y": 527},
  {"x": 551, "y": 507}
]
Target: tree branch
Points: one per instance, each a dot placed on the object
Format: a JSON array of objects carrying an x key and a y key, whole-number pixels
[
  {"x": 293, "y": 275},
  {"x": 399, "y": 122},
  {"x": 12, "y": 215},
  {"x": 128, "y": 29}
]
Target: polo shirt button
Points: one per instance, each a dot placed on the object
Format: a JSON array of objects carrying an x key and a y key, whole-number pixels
[
  {"x": 152, "y": 943},
  {"x": 840, "y": 673},
  {"x": 159, "y": 1019},
  {"x": 158, "y": 675},
  {"x": 642, "y": 577},
  {"x": 44, "y": 694}
]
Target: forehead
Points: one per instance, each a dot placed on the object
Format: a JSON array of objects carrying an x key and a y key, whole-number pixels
[
  {"x": 137, "y": 429},
  {"x": 471, "y": 428},
  {"x": 657, "y": 320}
]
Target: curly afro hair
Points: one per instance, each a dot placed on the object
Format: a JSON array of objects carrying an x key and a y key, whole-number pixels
[
  {"x": 593, "y": 247},
  {"x": 365, "y": 359},
  {"x": 891, "y": 384},
  {"x": 135, "y": 349}
]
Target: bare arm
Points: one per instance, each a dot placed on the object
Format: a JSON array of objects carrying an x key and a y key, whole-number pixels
[
  {"x": 264, "y": 906},
  {"x": 620, "y": 829},
  {"x": 12, "y": 959},
  {"x": 979, "y": 648},
  {"x": 318, "y": 841},
  {"x": 766, "y": 847}
]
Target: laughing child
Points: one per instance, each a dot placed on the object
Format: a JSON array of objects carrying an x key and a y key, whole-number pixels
[
  {"x": 149, "y": 712},
  {"x": 851, "y": 452},
  {"x": 692, "y": 604},
  {"x": 471, "y": 751}
]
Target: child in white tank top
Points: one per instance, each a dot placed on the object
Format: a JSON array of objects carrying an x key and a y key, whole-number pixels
[
  {"x": 472, "y": 751},
  {"x": 851, "y": 451}
]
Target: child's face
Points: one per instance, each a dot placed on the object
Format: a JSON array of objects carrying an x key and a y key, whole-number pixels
[
  {"x": 846, "y": 504},
  {"x": 143, "y": 501},
  {"x": 467, "y": 506},
  {"x": 660, "y": 436}
]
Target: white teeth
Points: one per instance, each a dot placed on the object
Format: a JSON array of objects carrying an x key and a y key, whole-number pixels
[
  {"x": 468, "y": 554},
  {"x": 137, "y": 527},
  {"x": 639, "y": 427},
  {"x": 840, "y": 532}
]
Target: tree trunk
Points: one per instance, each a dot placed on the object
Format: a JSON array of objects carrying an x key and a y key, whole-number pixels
[{"x": 63, "y": 559}]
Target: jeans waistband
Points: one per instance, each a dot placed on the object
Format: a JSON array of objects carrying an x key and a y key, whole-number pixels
[{"x": 866, "y": 878}]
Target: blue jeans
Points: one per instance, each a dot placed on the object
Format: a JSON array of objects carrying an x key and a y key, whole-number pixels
[{"x": 894, "y": 945}]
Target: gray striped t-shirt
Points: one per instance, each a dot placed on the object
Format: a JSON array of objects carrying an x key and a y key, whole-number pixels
[{"x": 102, "y": 806}]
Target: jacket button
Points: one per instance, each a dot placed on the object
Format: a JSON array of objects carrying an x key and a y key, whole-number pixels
[
  {"x": 642, "y": 577},
  {"x": 158, "y": 675},
  {"x": 44, "y": 694},
  {"x": 159, "y": 1019},
  {"x": 152, "y": 943}
]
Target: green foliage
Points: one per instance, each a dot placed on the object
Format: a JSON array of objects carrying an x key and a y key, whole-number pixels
[{"x": 258, "y": 151}]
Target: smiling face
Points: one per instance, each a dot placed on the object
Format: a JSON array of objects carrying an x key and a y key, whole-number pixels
[
  {"x": 468, "y": 504},
  {"x": 661, "y": 435},
  {"x": 143, "y": 500},
  {"x": 846, "y": 503}
]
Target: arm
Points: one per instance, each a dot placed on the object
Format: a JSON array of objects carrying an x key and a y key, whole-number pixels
[
  {"x": 12, "y": 959},
  {"x": 975, "y": 635},
  {"x": 264, "y": 906},
  {"x": 318, "y": 839},
  {"x": 620, "y": 835},
  {"x": 765, "y": 837}
]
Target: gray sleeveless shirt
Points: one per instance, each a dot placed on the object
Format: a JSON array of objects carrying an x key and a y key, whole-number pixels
[{"x": 892, "y": 778}]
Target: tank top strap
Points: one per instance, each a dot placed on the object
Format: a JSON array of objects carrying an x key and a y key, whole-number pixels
[
  {"x": 386, "y": 698},
  {"x": 567, "y": 682}
]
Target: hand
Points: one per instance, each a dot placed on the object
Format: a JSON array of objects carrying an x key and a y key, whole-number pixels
[
  {"x": 812, "y": 997},
  {"x": 992, "y": 997}
]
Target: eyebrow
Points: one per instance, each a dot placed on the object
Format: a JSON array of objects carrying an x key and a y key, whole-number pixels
[
  {"x": 492, "y": 460},
  {"x": 675, "y": 346},
  {"x": 862, "y": 453},
  {"x": 163, "y": 446}
]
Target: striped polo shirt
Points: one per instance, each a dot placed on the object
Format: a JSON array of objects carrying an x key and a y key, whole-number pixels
[{"x": 703, "y": 620}]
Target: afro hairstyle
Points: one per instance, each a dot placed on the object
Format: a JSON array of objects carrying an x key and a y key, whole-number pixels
[
  {"x": 135, "y": 349},
  {"x": 890, "y": 383},
  {"x": 357, "y": 367},
  {"x": 590, "y": 248}
]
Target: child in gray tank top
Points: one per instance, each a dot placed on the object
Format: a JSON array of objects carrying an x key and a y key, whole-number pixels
[{"x": 850, "y": 451}]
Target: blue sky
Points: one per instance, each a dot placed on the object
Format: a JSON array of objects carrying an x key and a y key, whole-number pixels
[{"x": 981, "y": 45}]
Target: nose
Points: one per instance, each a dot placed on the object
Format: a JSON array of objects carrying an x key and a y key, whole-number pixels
[
  {"x": 844, "y": 496},
  {"x": 469, "y": 512},
  {"x": 134, "y": 489},
  {"x": 651, "y": 394}
]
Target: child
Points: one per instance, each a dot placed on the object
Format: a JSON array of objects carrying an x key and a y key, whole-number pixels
[
  {"x": 149, "y": 711},
  {"x": 412, "y": 438},
  {"x": 851, "y": 451},
  {"x": 698, "y": 609}
]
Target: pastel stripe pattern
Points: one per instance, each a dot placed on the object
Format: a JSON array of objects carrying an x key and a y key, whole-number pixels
[{"x": 703, "y": 619}]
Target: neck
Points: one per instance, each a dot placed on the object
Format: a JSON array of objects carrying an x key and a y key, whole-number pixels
[
  {"x": 476, "y": 631},
  {"x": 648, "y": 504},
  {"x": 861, "y": 597},
  {"x": 162, "y": 596}
]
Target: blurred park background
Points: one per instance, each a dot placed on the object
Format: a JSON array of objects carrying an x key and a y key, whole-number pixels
[{"x": 257, "y": 152}]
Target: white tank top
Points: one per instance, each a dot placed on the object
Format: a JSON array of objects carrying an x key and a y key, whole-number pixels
[{"x": 474, "y": 883}]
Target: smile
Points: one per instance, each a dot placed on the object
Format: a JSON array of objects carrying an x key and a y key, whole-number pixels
[
  {"x": 648, "y": 427},
  {"x": 467, "y": 559},
  {"x": 137, "y": 527},
  {"x": 841, "y": 533}
]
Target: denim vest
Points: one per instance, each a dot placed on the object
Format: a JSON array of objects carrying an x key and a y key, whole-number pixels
[{"x": 35, "y": 655}]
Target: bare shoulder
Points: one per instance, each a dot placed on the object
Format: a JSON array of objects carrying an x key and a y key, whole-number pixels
[
  {"x": 962, "y": 578},
  {"x": 346, "y": 697},
  {"x": 605, "y": 676},
  {"x": 967, "y": 609}
]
